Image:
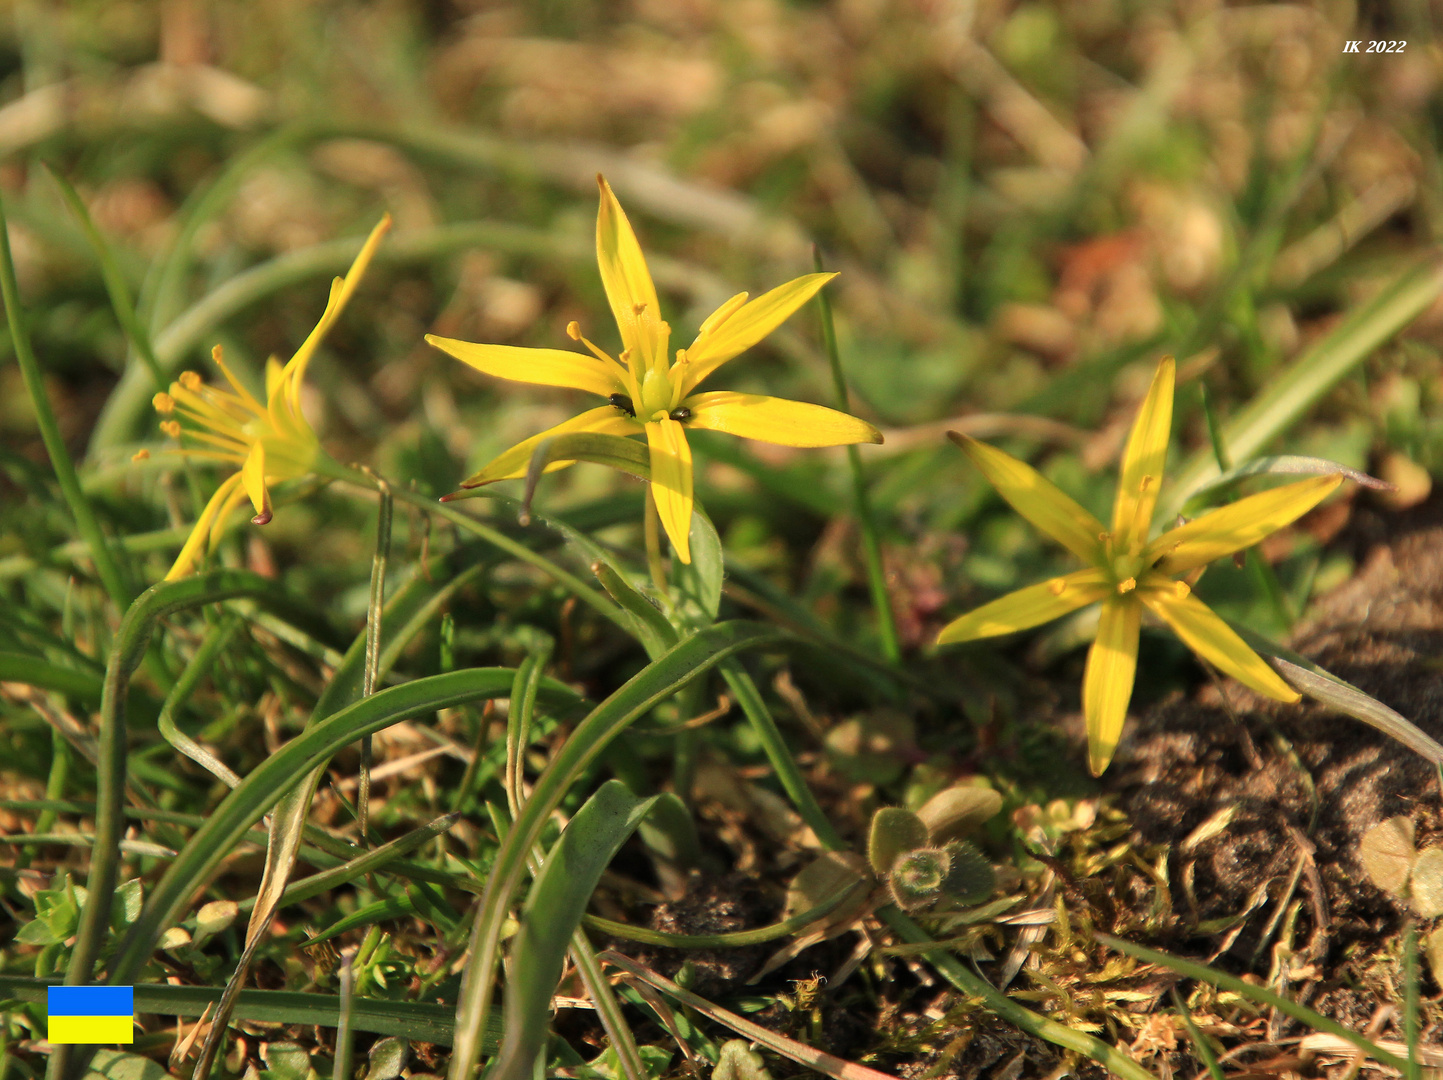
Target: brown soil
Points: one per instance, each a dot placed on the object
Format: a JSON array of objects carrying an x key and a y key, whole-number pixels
[{"x": 1304, "y": 783}]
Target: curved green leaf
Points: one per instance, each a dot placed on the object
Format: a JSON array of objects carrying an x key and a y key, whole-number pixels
[
  {"x": 648, "y": 688},
  {"x": 614, "y": 451},
  {"x": 552, "y": 913}
]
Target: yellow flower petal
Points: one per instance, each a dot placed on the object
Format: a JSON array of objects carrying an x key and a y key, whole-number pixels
[
  {"x": 513, "y": 463},
  {"x": 191, "y": 549},
  {"x": 1036, "y": 498},
  {"x": 1211, "y": 638},
  {"x": 342, "y": 289},
  {"x": 1029, "y": 607},
  {"x": 253, "y": 477},
  {"x": 544, "y": 367},
  {"x": 1231, "y": 528},
  {"x": 1107, "y": 682},
  {"x": 1142, "y": 463},
  {"x": 728, "y": 333},
  {"x": 628, "y": 283},
  {"x": 275, "y": 373},
  {"x": 777, "y": 420},
  {"x": 671, "y": 482}
]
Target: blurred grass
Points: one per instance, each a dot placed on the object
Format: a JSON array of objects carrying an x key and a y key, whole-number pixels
[{"x": 1028, "y": 203}]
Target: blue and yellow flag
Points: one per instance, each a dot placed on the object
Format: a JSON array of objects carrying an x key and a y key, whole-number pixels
[{"x": 90, "y": 1014}]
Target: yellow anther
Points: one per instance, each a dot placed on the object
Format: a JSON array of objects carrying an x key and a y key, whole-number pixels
[
  {"x": 1104, "y": 537},
  {"x": 1126, "y": 585},
  {"x": 573, "y": 330},
  {"x": 171, "y": 428},
  {"x": 637, "y": 309},
  {"x": 1057, "y": 587},
  {"x": 1180, "y": 589},
  {"x": 190, "y": 380},
  {"x": 1145, "y": 483},
  {"x": 140, "y": 455},
  {"x": 164, "y": 403}
]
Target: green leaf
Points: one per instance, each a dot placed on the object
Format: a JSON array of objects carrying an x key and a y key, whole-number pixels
[
  {"x": 417, "y": 1021},
  {"x": 1280, "y": 465},
  {"x": 645, "y": 690},
  {"x": 700, "y": 581},
  {"x": 1323, "y": 686},
  {"x": 552, "y": 913},
  {"x": 649, "y": 625},
  {"x": 117, "y": 1065},
  {"x": 614, "y": 451},
  {"x": 895, "y": 832}
]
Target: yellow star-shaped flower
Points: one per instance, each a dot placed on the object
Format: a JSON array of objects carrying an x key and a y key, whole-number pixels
[
  {"x": 271, "y": 442},
  {"x": 1130, "y": 573},
  {"x": 650, "y": 395}
]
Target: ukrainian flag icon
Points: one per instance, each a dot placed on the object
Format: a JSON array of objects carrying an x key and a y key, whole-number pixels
[{"x": 90, "y": 1014}]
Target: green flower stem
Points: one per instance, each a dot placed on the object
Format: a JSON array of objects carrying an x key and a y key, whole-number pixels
[
  {"x": 374, "y": 609},
  {"x": 477, "y": 528},
  {"x": 127, "y": 651},
  {"x": 85, "y": 520},
  {"x": 871, "y": 544}
]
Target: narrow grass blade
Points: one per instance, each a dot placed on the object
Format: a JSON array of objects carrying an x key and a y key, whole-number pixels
[
  {"x": 345, "y": 1039},
  {"x": 375, "y": 610},
  {"x": 736, "y": 939},
  {"x": 1283, "y": 465},
  {"x": 1411, "y": 1032},
  {"x": 812, "y": 1058},
  {"x": 614, "y": 451},
  {"x": 789, "y": 773},
  {"x": 1257, "y": 994},
  {"x": 215, "y": 641},
  {"x": 1199, "y": 1040},
  {"x": 417, "y": 1021},
  {"x": 1292, "y": 393},
  {"x": 262, "y": 788},
  {"x": 518, "y": 721},
  {"x": 648, "y": 688},
  {"x": 553, "y": 911},
  {"x": 871, "y": 543},
  {"x": 86, "y": 523},
  {"x": 83, "y": 686},
  {"x": 1323, "y": 686},
  {"x": 608, "y": 1008}
]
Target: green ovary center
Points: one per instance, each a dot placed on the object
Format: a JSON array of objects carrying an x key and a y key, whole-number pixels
[{"x": 655, "y": 396}]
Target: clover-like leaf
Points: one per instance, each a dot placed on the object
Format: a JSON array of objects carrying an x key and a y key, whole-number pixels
[
  {"x": 956, "y": 811},
  {"x": 1387, "y": 854},
  {"x": 918, "y": 877},
  {"x": 970, "y": 878},
  {"x": 1426, "y": 893},
  {"x": 895, "y": 832}
]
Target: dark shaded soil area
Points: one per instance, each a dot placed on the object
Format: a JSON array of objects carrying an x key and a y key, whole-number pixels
[{"x": 1263, "y": 805}]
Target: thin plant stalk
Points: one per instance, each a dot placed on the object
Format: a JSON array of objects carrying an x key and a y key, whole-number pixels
[
  {"x": 871, "y": 544},
  {"x": 1411, "y": 1033},
  {"x": 789, "y": 773},
  {"x": 85, "y": 520},
  {"x": 374, "y": 611},
  {"x": 651, "y": 531},
  {"x": 345, "y": 1037}
]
